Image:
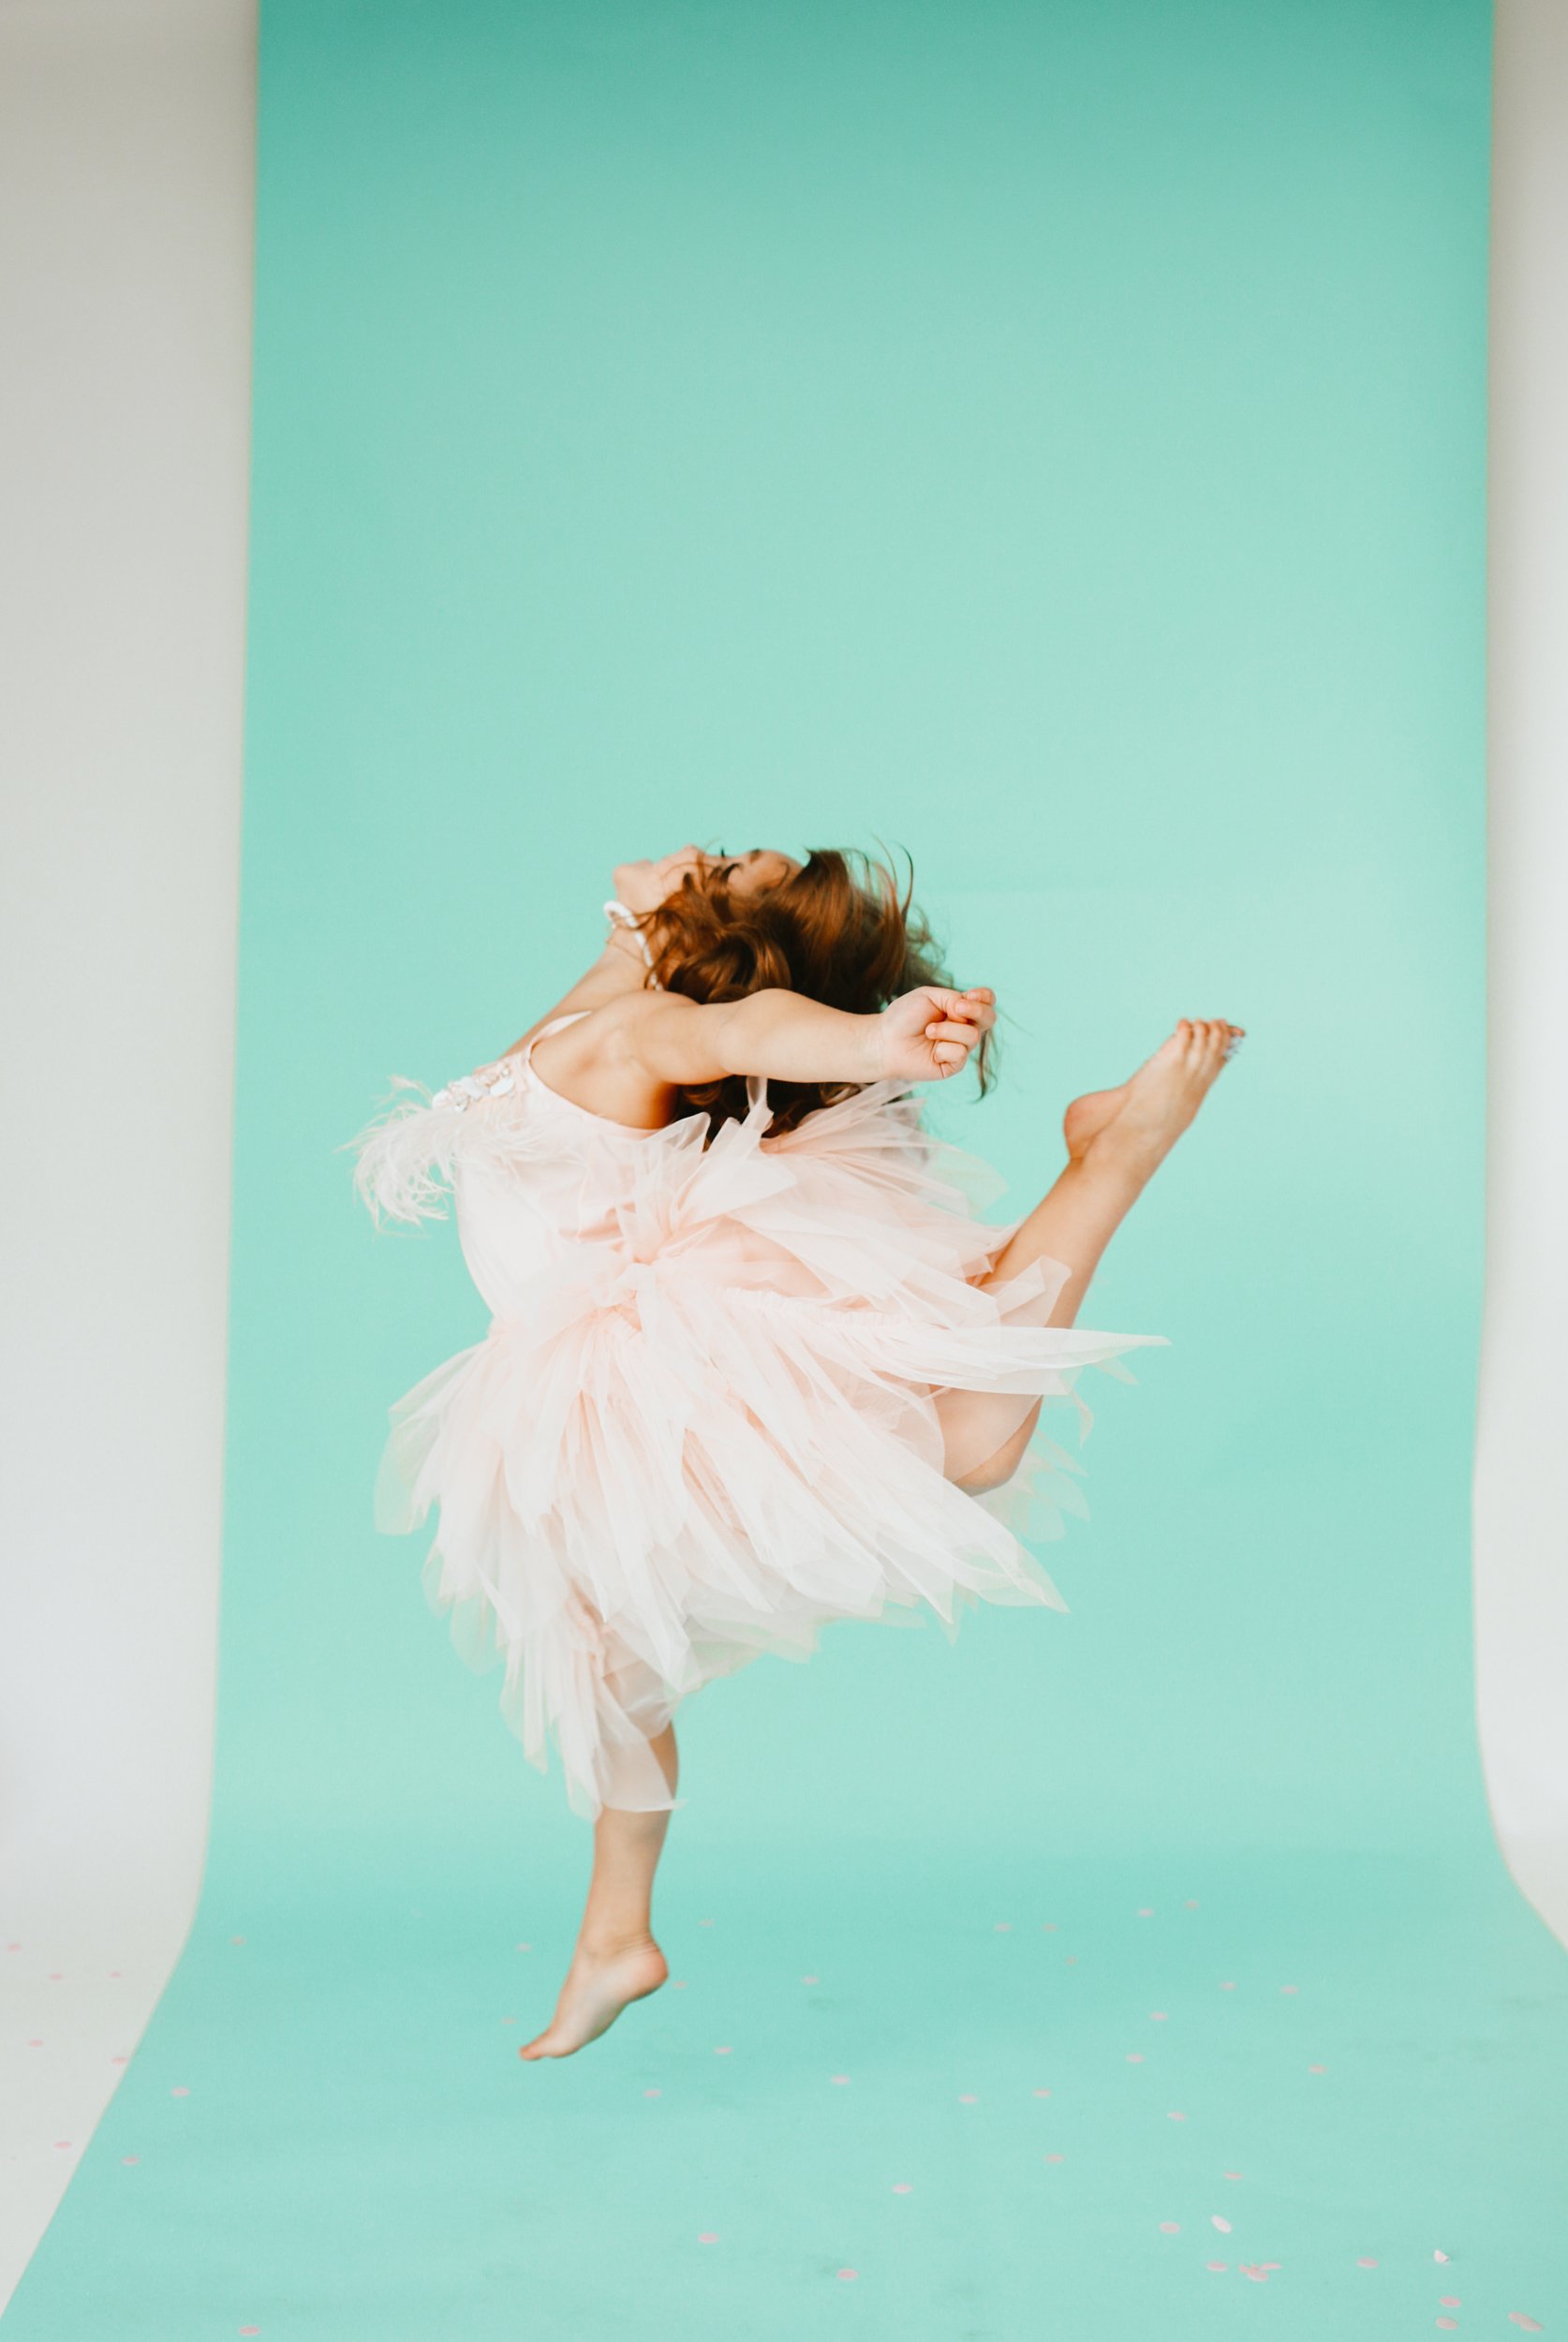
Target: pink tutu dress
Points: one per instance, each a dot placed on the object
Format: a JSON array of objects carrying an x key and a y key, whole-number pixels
[{"x": 724, "y": 1395}]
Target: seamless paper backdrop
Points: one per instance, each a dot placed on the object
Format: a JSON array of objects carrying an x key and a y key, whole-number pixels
[{"x": 1049, "y": 439}]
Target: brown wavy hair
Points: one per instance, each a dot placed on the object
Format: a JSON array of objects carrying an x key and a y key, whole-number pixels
[{"x": 839, "y": 930}]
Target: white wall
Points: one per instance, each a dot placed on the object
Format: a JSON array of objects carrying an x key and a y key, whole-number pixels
[
  {"x": 1521, "y": 1480},
  {"x": 127, "y": 171}
]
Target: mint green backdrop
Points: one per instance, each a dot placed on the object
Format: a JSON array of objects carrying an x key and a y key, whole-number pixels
[{"x": 1051, "y": 439}]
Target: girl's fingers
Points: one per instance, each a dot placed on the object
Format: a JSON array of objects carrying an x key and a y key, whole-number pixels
[{"x": 965, "y": 1034}]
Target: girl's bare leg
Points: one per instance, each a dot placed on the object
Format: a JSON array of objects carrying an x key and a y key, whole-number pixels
[
  {"x": 1117, "y": 1139},
  {"x": 616, "y": 1959}
]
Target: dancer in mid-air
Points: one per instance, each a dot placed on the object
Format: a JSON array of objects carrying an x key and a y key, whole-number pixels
[{"x": 753, "y": 1363}]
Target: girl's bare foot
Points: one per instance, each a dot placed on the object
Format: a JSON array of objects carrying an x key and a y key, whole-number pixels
[
  {"x": 1138, "y": 1124},
  {"x": 599, "y": 1984}
]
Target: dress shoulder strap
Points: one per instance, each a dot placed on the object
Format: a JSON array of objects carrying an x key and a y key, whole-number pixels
[{"x": 552, "y": 1023}]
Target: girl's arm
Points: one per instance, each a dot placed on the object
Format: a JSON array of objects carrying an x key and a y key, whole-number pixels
[{"x": 925, "y": 1035}]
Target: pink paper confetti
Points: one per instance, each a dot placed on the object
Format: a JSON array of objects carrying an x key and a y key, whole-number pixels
[
  {"x": 250, "y": 2329},
  {"x": 968, "y": 2097},
  {"x": 62, "y": 2143},
  {"x": 1250, "y": 2269},
  {"x": 236, "y": 1939},
  {"x": 679, "y": 1984},
  {"x": 13, "y": 1947},
  {"x": 1043, "y": 2093},
  {"x": 1217, "y": 2219},
  {"x": 811, "y": 1980},
  {"x": 1526, "y": 2325},
  {"x": 121, "y": 2060},
  {"x": 1047, "y": 1927},
  {"x": 724, "y": 2050},
  {"x": 708, "y": 2236},
  {"x": 1230, "y": 2175},
  {"x": 524, "y": 1946},
  {"x": 1170, "y": 2227},
  {"x": 35, "y": 2045},
  {"x": 1158, "y": 2016},
  {"x": 1437, "y": 2256},
  {"x": 1004, "y": 1927},
  {"x": 1191, "y": 1903},
  {"x": 901, "y": 2187},
  {"x": 848, "y": 2277},
  {"x": 1449, "y": 2301},
  {"x": 130, "y": 2159},
  {"x": 180, "y": 2090},
  {"x": 1290, "y": 1988},
  {"x": 1449, "y": 2325},
  {"x": 508, "y": 2020},
  {"x": 1227, "y": 1988},
  {"x": 839, "y": 2079},
  {"x": 56, "y": 1977},
  {"x": 1055, "y": 2159},
  {"x": 1071, "y": 1960},
  {"x": 1218, "y": 2267},
  {"x": 653, "y": 2093},
  {"x": 704, "y": 1922},
  {"x": 1175, "y": 2116},
  {"x": 1134, "y": 2057},
  {"x": 1365, "y": 2262},
  {"x": 1146, "y": 1912},
  {"x": 115, "y": 1975},
  {"x": 1317, "y": 2069},
  {"x": 1268, "y": 2264}
]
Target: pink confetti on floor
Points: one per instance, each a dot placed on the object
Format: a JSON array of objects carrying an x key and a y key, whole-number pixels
[
  {"x": 62, "y": 2143},
  {"x": 1230, "y": 2175},
  {"x": 1043, "y": 2093},
  {"x": 1217, "y": 2219},
  {"x": 839, "y": 2079},
  {"x": 708, "y": 2236},
  {"x": 1290, "y": 1988},
  {"x": 130, "y": 2159},
  {"x": 56, "y": 1977},
  {"x": 250, "y": 2329},
  {"x": 1158, "y": 2016},
  {"x": 847, "y": 2276},
  {"x": 236, "y": 1939},
  {"x": 1071, "y": 1960},
  {"x": 1227, "y": 1988},
  {"x": 811, "y": 1980},
  {"x": 901, "y": 2187},
  {"x": 1365, "y": 2262},
  {"x": 724, "y": 2050},
  {"x": 508, "y": 2020},
  {"x": 115, "y": 1975},
  {"x": 1437, "y": 2256},
  {"x": 704, "y": 1922},
  {"x": 1004, "y": 1927},
  {"x": 1055, "y": 2159},
  {"x": 524, "y": 1946},
  {"x": 13, "y": 1947},
  {"x": 1449, "y": 2301},
  {"x": 1175, "y": 2116},
  {"x": 1250, "y": 2269},
  {"x": 1191, "y": 1903},
  {"x": 1317, "y": 2069},
  {"x": 1146, "y": 1912},
  {"x": 1525, "y": 2325},
  {"x": 679, "y": 1983},
  {"x": 1170, "y": 2227},
  {"x": 1449, "y": 2325},
  {"x": 1134, "y": 2057},
  {"x": 1048, "y": 1927},
  {"x": 653, "y": 2093},
  {"x": 35, "y": 2045},
  {"x": 120, "y": 2061},
  {"x": 180, "y": 2090},
  {"x": 1218, "y": 2267}
]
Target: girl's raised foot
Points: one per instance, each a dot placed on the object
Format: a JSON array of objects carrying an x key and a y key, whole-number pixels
[
  {"x": 598, "y": 1985},
  {"x": 1139, "y": 1123}
]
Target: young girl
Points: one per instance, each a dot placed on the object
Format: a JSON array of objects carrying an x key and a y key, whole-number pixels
[{"x": 753, "y": 1363}]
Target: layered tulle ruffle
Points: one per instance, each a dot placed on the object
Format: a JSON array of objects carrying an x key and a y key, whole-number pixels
[{"x": 725, "y": 1397}]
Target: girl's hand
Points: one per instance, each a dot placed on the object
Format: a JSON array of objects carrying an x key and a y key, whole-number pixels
[{"x": 927, "y": 1034}]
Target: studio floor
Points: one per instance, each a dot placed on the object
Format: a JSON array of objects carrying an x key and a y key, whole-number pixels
[{"x": 1317, "y": 2096}]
